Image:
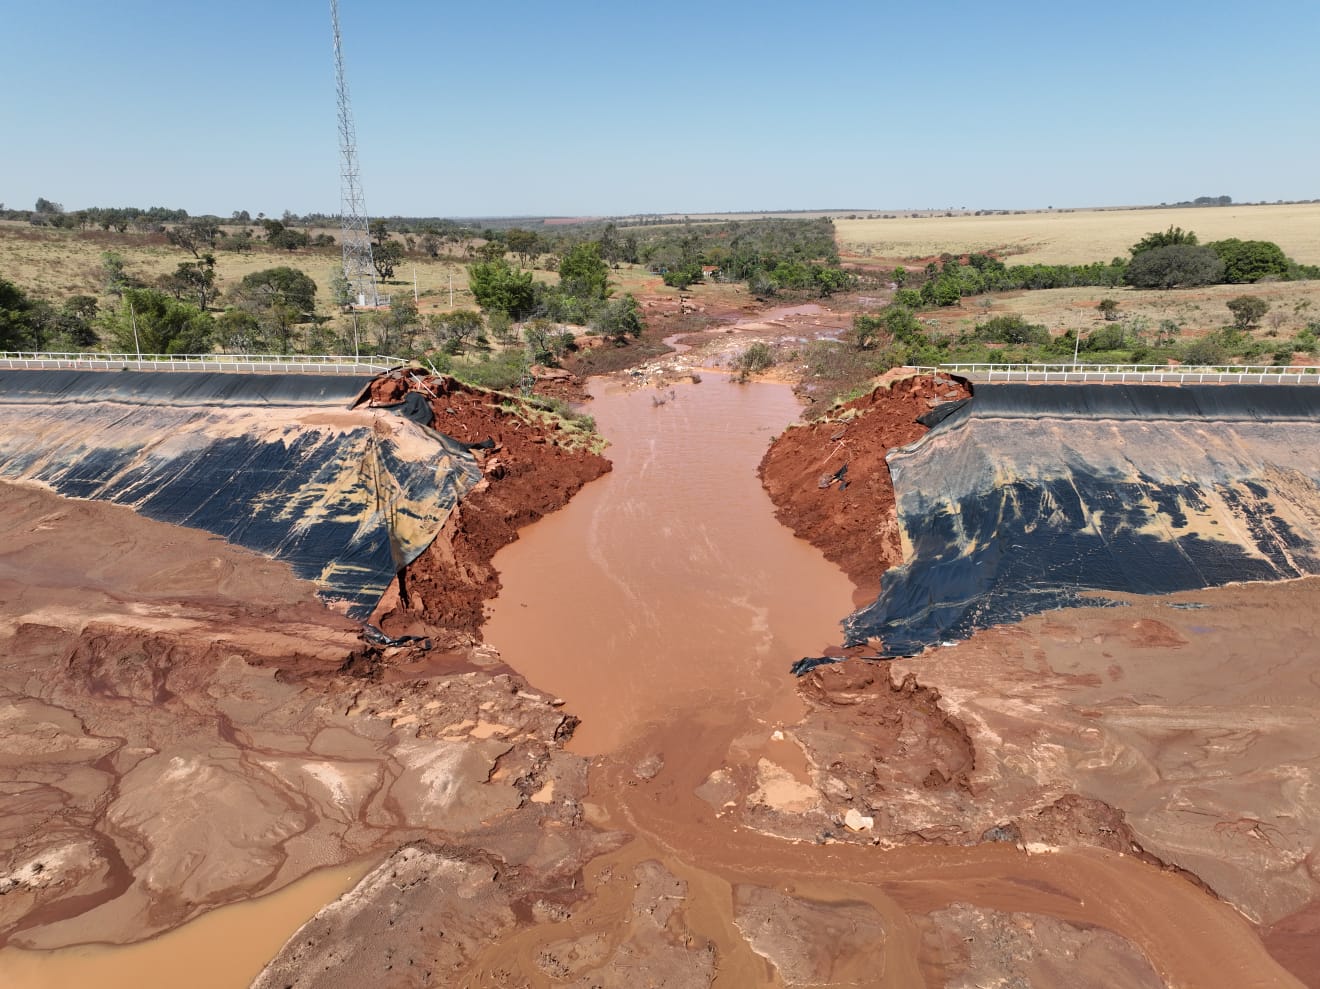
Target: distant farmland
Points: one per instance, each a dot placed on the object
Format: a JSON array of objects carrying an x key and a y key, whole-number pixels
[{"x": 1080, "y": 236}]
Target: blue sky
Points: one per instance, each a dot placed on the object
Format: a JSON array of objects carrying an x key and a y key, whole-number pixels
[{"x": 580, "y": 108}]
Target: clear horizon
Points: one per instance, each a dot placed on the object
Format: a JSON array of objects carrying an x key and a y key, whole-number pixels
[{"x": 528, "y": 110}]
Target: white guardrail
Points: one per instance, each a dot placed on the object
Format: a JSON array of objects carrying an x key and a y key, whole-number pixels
[
  {"x": 1147, "y": 373},
  {"x": 242, "y": 363}
]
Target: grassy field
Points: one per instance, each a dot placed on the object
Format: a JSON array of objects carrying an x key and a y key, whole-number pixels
[
  {"x": 55, "y": 264},
  {"x": 1078, "y": 237},
  {"x": 1197, "y": 311}
]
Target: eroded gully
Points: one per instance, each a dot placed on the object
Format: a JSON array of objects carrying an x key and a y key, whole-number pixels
[{"x": 664, "y": 604}]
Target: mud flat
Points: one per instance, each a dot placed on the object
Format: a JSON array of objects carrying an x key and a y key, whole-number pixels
[
  {"x": 715, "y": 821},
  {"x": 187, "y": 725},
  {"x": 754, "y": 855}
]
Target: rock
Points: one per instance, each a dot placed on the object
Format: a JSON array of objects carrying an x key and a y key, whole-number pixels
[{"x": 855, "y": 820}]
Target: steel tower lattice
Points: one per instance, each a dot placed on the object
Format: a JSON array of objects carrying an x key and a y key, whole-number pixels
[{"x": 355, "y": 232}]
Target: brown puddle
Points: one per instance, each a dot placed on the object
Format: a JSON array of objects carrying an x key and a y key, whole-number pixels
[
  {"x": 223, "y": 949},
  {"x": 668, "y": 585}
]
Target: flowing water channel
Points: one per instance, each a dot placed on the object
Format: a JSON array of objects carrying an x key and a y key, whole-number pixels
[
  {"x": 224, "y": 949},
  {"x": 664, "y": 604},
  {"x": 667, "y": 586}
]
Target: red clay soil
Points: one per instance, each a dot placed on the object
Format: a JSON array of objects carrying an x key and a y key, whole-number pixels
[
  {"x": 531, "y": 472},
  {"x": 855, "y": 526}
]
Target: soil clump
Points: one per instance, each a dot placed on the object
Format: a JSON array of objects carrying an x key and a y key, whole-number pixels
[
  {"x": 535, "y": 464},
  {"x": 829, "y": 480}
]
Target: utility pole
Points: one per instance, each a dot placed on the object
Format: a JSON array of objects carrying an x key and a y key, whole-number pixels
[{"x": 136, "y": 344}]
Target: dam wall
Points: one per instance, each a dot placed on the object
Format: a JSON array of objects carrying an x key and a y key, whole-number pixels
[
  {"x": 274, "y": 463},
  {"x": 1032, "y": 497}
]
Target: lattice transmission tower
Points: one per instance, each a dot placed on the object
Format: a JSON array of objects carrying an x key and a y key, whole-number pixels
[{"x": 355, "y": 232}]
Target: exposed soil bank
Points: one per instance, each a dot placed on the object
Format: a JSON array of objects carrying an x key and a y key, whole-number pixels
[
  {"x": 185, "y": 725},
  {"x": 850, "y": 516},
  {"x": 535, "y": 467}
]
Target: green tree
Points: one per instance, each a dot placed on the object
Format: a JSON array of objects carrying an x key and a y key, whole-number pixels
[
  {"x": 456, "y": 330},
  {"x": 196, "y": 279},
  {"x": 280, "y": 299},
  {"x": 499, "y": 287},
  {"x": 1247, "y": 311},
  {"x": 1174, "y": 265},
  {"x": 1173, "y": 237},
  {"x": 526, "y": 244},
  {"x": 1109, "y": 309},
  {"x": 397, "y": 327},
  {"x": 620, "y": 319},
  {"x": 150, "y": 322},
  {"x": 386, "y": 257},
  {"x": 239, "y": 331},
  {"x": 1250, "y": 260},
  {"x": 583, "y": 274},
  {"x": 16, "y": 327},
  {"x": 117, "y": 278}
]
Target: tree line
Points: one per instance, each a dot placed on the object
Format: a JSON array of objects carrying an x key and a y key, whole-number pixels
[{"x": 1163, "y": 260}]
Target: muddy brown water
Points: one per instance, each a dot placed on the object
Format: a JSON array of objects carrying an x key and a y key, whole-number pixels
[
  {"x": 224, "y": 949},
  {"x": 668, "y": 585},
  {"x": 664, "y": 605}
]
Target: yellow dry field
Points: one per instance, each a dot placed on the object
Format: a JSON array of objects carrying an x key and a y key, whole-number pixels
[
  {"x": 1078, "y": 237},
  {"x": 55, "y": 264},
  {"x": 1197, "y": 311}
]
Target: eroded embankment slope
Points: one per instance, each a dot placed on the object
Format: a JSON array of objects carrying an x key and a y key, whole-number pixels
[
  {"x": 1176, "y": 727},
  {"x": 1031, "y": 496},
  {"x": 274, "y": 463},
  {"x": 830, "y": 482},
  {"x": 180, "y": 726}
]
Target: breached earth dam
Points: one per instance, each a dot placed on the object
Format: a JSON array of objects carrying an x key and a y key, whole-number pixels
[
  {"x": 1096, "y": 796},
  {"x": 1030, "y": 497},
  {"x": 277, "y": 464}
]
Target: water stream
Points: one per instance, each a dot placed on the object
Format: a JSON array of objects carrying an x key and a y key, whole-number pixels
[
  {"x": 667, "y": 586},
  {"x": 224, "y": 949}
]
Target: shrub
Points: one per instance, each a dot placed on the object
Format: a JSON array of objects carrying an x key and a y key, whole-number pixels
[
  {"x": 1012, "y": 329},
  {"x": 1250, "y": 260},
  {"x": 1206, "y": 351},
  {"x": 1175, "y": 265},
  {"x": 502, "y": 372},
  {"x": 755, "y": 359},
  {"x": 1247, "y": 311}
]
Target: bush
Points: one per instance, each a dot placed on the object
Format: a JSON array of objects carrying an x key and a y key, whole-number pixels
[
  {"x": 1011, "y": 329},
  {"x": 1247, "y": 311},
  {"x": 755, "y": 359},
  {"x": 1206, "y": 351},
  {"x": 1175, "y": 265},
  {"x": 502, "y": 372},
  {"x": 681, "y": 277},
  {"x": 1250, "y": 260},
  {"x": 1108, "y": 309}
]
